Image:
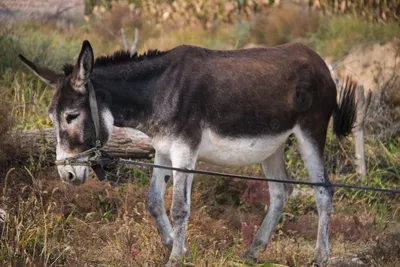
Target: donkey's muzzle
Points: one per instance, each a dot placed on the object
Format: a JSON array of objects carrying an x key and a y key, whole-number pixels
[
  {"x": 75, "y": 175},
  {"x": 71, "y": 177},
  {"x": 67, "y": 175}
]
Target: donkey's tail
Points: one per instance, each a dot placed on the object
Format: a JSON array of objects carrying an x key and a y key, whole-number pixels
[{"x": 345, "y": 112}]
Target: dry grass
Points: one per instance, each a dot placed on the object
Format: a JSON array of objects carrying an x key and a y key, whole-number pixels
[
  {"x": 5, "y": 125},
  {"x": 382, "y": 120},
  {"x": 283, "y": 25},
  {"x": 53, "y": 224}
]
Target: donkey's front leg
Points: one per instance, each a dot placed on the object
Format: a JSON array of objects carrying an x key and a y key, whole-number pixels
[
  {"x": 182, "y": 157},
  {"x": 155, "y": 199}
]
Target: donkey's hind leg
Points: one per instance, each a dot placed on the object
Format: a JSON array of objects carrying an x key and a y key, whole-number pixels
[
  {"x": 311, "y": 145},
  {"x": 274, "y": 167},
  {"x": 155, "y": 199}
]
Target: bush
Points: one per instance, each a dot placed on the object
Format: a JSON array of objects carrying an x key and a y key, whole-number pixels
[
  {"x": 6, "y": 123},
  {"x": 283, "y": 25},
  {"x": 338, "y": 35},
  {"x": 110, "y": 22},
  {"x": 376, "y": 11}
]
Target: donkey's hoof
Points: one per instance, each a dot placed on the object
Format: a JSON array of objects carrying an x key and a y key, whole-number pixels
[
  {"x": 320, "y": 259},
  {"x": 168, "y": 244},
  {"x": 188, "y": 255},
  {"x": 249, "y": 256},
  {"x": 168, "y": 247},
  {"x": 317, "y": 263},
  {"x": 172, "y": 263}
]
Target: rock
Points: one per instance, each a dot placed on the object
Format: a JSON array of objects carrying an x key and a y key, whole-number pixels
[
  {"x": 357, "y": 261},
  {"x": 372, "y": 65},
  {"x": 2, "y": 215},
  {"x": 2, "y": 219}
]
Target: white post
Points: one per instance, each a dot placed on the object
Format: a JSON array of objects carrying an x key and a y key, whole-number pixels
[
  {"x": 358, "y": 130},
  {"x": 124, "y": 41},
  {"x": 132, "y": 50}
]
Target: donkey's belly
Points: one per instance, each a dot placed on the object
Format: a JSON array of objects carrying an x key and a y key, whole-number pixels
[{"x": 238, "y": 152}]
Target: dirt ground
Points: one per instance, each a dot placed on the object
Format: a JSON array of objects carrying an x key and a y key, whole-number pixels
[
  {"x": 372, "y": 64},
  {"x": 377, "y": 68}
]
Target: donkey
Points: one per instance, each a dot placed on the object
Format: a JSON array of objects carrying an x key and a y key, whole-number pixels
[{"x": 231, "y": 108}]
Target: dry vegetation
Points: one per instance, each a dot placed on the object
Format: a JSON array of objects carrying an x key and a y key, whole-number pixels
[
  {"x": 5, "y": 126},
  {"x": 100, "y": 225},
  {"x": 49, "y": 223}
]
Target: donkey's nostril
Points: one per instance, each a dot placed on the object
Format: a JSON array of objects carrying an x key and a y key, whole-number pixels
[{"x": 71, "y": 176}]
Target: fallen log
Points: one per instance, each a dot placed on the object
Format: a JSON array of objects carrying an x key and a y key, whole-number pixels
[{"x": 124, "y": 142}]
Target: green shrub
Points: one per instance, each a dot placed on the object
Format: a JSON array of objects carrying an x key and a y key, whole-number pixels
[
  {"x": 283, "y": 25},
  {"x": 338, "y": 35},
  {"x": 377, "y": 11}
]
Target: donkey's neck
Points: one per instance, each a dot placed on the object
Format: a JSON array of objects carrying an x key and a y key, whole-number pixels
[{"x": 127, "y": 89}]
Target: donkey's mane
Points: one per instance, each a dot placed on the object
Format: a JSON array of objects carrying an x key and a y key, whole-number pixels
[
  {"x": 68, "y": 69},
  {"x": 120, "y": 56},
  {"x": 124, "y": 56}
]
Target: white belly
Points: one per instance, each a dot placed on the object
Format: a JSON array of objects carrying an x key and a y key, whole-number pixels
[
  {"x": 237, "y": 152},
  {"x": 226, "y": 151}
]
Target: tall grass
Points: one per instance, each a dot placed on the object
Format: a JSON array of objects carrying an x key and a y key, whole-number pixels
[
  {"x": 281, "y": 26},
  {"x": 338, "y": 35},
  {"x": 5, "y": 125},
  {"x": 32, "y": 234}
]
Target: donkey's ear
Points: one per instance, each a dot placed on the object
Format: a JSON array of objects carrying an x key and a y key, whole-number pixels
[
  {"x": 83, "y": 67},
  {"x": 47, "y": 75}
]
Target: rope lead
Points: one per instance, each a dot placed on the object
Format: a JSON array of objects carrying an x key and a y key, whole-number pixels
[{"x": 244, "y": 177}]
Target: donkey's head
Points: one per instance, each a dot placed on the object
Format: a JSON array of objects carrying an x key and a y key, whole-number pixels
[{"x": 71, "y": 115}]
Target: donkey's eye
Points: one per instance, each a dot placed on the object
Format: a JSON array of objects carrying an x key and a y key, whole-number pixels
[{"x": 71, "y": 117}]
